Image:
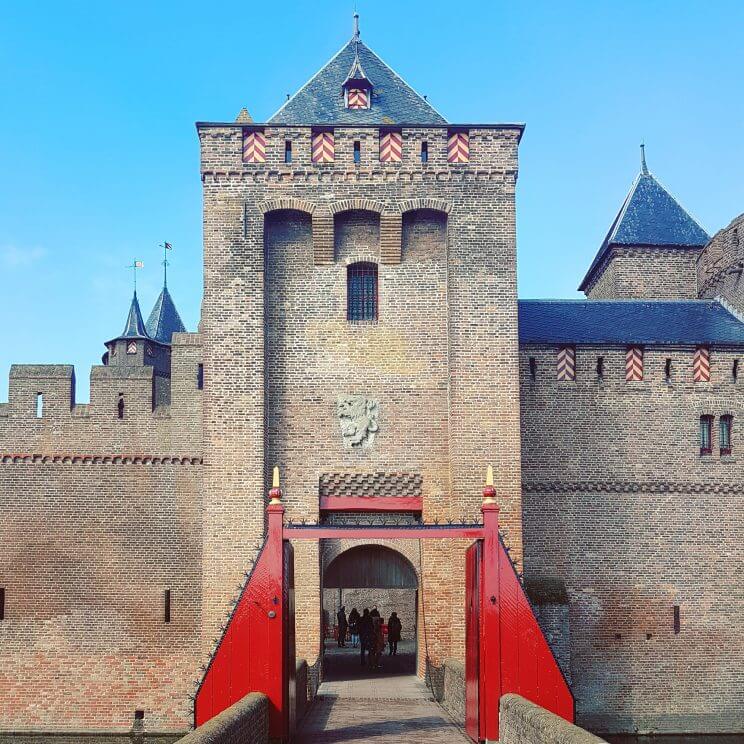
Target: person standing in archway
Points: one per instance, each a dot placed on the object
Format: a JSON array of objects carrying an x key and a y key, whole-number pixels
[
  {"x": 364, "y": 627},
  {"x": 394, "y": 629},
  {"x": 343, "y": 626},
  {"x": 353, "y": 630}
]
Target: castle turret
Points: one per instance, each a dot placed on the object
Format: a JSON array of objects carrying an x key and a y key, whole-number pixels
[
  {"x": 135, "y": 347},
  {"x": 164, "y": 319},
  {"x": 651, "y": 249}
]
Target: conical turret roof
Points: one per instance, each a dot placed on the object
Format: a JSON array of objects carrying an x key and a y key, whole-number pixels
[
  {"x": 651, "y": 217},
  {"x": 164, "y": 319},
  {"x": 135, "y": 326}
]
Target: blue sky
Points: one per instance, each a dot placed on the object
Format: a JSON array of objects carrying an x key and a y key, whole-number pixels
[{"x": 99, "y": 157}]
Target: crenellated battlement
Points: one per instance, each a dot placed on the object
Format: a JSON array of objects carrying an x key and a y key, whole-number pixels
[{"x": 123, "y": 415}]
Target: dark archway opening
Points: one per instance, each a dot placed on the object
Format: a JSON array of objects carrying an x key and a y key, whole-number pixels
[{"x": 369, "y": 576}]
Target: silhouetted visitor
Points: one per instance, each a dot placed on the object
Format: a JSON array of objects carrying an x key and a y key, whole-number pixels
[
  {"x": 394, "y": 628},
  {"x": 343, "y": 626},
  {"x": 364, "y": 627},
  {"x": 375, "y": 612},
  {"x": 377, "y": 646},
  {"x": 353, "y": 630}
]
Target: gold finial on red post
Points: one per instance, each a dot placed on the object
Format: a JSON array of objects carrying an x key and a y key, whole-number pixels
[
  {"x": 489, "y": 492},
  {"x": 275, "y": 494}
]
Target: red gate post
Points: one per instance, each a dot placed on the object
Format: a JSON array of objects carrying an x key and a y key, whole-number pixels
[{"x": 490, "y": 661}]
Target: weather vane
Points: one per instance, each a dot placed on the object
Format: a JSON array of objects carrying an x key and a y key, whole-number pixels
[
  {"x": 166, "y": 246},
  {"x": 134, "y": 266}
]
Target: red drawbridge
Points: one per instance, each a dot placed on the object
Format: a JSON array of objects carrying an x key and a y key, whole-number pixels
[{"x": 505, "y": 649}]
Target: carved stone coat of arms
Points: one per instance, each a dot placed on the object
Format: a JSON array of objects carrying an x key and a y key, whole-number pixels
[{"x": 358, "y": 418}]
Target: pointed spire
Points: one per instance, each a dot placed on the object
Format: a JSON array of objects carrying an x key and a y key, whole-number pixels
[
  {"x": 644, "y": 167},
  {"x": 135, "y": 326},
  {"x": 244, "y": 117},
  {"x": 164, "y": 319}
]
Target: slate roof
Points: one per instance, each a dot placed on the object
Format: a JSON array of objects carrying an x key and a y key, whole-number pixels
[
  {"x": 689, "y": 322},
  {"x": 135, "y": 326},
  {"x": 649, "y": 216},
  {"x": 321, "y": 100},
  {"x": 164, "y": 319}
]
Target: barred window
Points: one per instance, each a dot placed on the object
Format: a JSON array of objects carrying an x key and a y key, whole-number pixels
[
  {"x": 361, "y": 286},
  {"x": 706, "y": 431},
  {"x": 724, "y": 434}
]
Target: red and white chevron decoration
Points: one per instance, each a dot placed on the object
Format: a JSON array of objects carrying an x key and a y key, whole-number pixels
[
  {"x": 391, "y": 147},
  {"x": 634, "y": 364},
  {"x": 458, "y": 147},
  {"x": 323, "y": 147},
  {"x": 357, "y": 98},
  {"x": 254, "y": 146},
  {"x": 566, "y": 364},
  {"x": 701, "y": 364}
]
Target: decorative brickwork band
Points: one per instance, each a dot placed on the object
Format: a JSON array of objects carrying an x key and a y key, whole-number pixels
[
  {"x": 60, "y": 458},
  {"x": 458, "y": 147},
  {"x": 566, "y": 364},
  {"x": 701, "y": 364},
  {"x": 323, "y": 147},
  {"x": 370, "y": 484},
  {"x": 391, "y": 236},
  {"x": 634, "y": 364},
  {"x": 436, "y": 205},
  {"x": 254, "y": 146},
  {"x": 322, "y": 237},
  {"x": 358, "y": 98},
  {"x": 548, "y": 487},
  {"x": 391, "y": 147}
]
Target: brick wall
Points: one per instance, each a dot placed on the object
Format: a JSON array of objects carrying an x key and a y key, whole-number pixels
[
  {"x": 284, "y": 357},
  {"x": 88, "y": 552},
  {"x": 245, "y": 722},
  {"x": 620, "y": 505},
  {"x": 523, "y": 722},
  {"x": 720, "y": 266},
  {"x": 635, "y": 272}
]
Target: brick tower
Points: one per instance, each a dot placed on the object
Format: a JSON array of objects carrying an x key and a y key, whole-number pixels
[{"x": 359, "y": 320}]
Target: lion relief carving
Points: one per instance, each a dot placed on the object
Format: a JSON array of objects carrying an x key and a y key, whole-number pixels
[{"x": 358, "y": 418}]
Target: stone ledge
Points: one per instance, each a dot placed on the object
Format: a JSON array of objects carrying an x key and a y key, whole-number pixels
[
  {"x": 523, "y": 722},
  {"x": 245, "y": 722}
]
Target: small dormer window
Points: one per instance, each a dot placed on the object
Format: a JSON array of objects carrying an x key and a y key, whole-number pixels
[
  {"x": 357, "y": 98},
  {"x": 132, "y": 347}
]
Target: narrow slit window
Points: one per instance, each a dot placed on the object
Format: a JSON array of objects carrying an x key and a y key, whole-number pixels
[
  {"x": 288, "y": 151},
  {"x": 167, "y": 606},
  {"x": 677, "y": 623},
  {"x": 200, "y": 376},
  {"x": 357, "y": 152},
  {"x": 668, "y": 370},
  {"x": 533, "y": 368},
  {"x": 2, "y": 603},
  {"x": 39, "y": 405},
  {"x": 120, "y": 406},
  {"x": 725, "y": 425},
  {"x": 706, "y": 435},
  {"x": 735, "y": 370},
  {"x": 600, "y": 368},
  {"x": 361, "y": 285},
  {"x": 424, "y": 152}
]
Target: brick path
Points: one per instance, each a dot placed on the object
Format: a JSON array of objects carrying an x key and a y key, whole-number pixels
[{"x": 354, "y": 705}]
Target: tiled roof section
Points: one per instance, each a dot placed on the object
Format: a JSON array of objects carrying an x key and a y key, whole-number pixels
[
  {"x": 164, "y": 319},
  {"x": 370, "y": 484},
  {"x": 321, "y": 99},
  {"x": 135, "y": 326},
  {"x": 688, "y": 322},
  {"x": 649, "y": 216}
]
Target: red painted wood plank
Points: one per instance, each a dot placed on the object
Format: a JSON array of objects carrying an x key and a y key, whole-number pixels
[
  {"x": 401, "y": 533},
  {"x": 371, "y": 503}
]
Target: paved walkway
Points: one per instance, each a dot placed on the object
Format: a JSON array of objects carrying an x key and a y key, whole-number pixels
[{"x": 355, "y": 704}]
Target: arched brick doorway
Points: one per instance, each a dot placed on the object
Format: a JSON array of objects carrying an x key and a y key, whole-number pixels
[{"x": 369, "y": 576}]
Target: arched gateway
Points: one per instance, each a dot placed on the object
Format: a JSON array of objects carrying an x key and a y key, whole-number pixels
[{"x": 505, "y": 649}]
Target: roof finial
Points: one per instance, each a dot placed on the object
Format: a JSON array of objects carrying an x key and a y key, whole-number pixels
[
  {"x": 166, "y": 247},
  {"x": 134, "y": 266},
  {"x": 356, "y": 26},
  {"x": 644, "y": 167}
]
